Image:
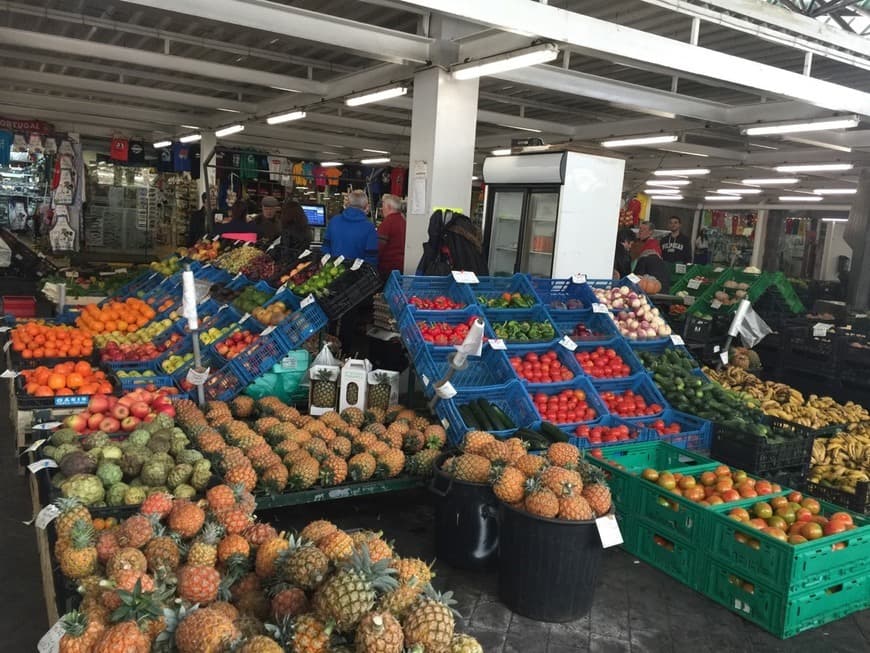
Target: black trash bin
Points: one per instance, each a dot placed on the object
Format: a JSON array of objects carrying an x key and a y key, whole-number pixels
[
  {"x": 466, "y": 521},
  {"x": 547, "y": 568}
]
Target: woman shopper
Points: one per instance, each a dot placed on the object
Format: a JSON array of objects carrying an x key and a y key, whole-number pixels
[{"x": 295, "y": 232}]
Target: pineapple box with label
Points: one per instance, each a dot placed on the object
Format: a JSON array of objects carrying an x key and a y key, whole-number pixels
[
  {"x": 323, "y": 388},
  {"x": 383, "y": 390},
  {"x": 354, "y": 384}
]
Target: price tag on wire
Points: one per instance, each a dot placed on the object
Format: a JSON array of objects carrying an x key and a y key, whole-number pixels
[
  {"x": 307, "y": 252},
  {"x": 197, "y": 377},
  {"x": 8, "y": 374},
  {"x": 46, "y": 516},
  {"x": 445, "y": 390},
  {"x": 46, "y": 426},
  {"x": 715, "y": 304},
  {"x": 338, "y": 261},
  {"x": 633, "y": 278},
  {"x": 820, "y": 329},
  {"x": 723, "y": 356},
  {"x": 425, "y": 380},
  {"x": 357, "y": 264},
  {"x": 324, "y": 259},
  {"x": 677, "y": 340},
  {"x": 680, "y": 268},
  {"x": 497, "y": 343},
  {"x": 308, "y": 301},
  {"x": 599, "y": 308},
  {"x": 688, "y": 300},
  {"x": 608, "y": 531},
  {"x": 567, "y": 343},
  {"x": 268, "y": 330},
  {"x": 274, "y": 244},
  {"x": 578, "y": 278},
  {"x": 46, "y": 463},
  {"x": 36, "y": 445},
  {"x": 694, "y": 284},
  {"x": 465, "y": 276},
  {"x": 4, "y": 329},
  {"x": 71, "y": 274},
  {"x": 50, "y": 642},
  {"x": 244, "y": 318}
]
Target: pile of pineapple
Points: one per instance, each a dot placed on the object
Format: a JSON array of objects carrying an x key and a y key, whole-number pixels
[
  {"x": 207, "y": 577},
  {"x": 558, "y": 485},
  {"x": 270, "y": 447}
]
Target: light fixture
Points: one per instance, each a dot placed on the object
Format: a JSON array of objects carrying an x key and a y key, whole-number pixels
[
  {"x": 821, "y": 124},
  {"x": 285, "y": 117},
  {"x": 722, "y": 198},
  {"x": 686, "y": 152},
  {"x": 227, "y": 131},
  {"x": 522, "y": 129},
  {"x": 228, "y": 110},
  {"x": 160, "y": 144},
  {"x": 368, "y": 149},
  {"x": 474, "y": 178},
  {"x": 781, "y": 181},
  {"x": 640, "y": 140},
  {"x": 369, "y": 162},
  {"x": 376, "y": 96},
  {"x": 738, "y": 191},
  {"x": 666, "y": 197},
  {"x": 662, "y": 191},
  {"x": 190, "y": 138},
  {"x": 818, "y": 143},
  {"x": 668, "y": 182},
  {"x": 196, "y": 127},
  {"x": 502, "y": 152},
  {"x": 835, "y": 219},
  {"x": 287, "y": 90},
  {"x": 835, "y": 191},
  {"x": 800, "y": 198},
  {"x": 815, "y": 167},
  {"x": 688, "y": 172},
  {"x": 331, "y": 164},
  {"x": 506, "y": 61}
]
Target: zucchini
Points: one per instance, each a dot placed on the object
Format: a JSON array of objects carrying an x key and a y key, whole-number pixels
[
  {"x": 469, "y": 417},
  {"x": 481, "y": 417},
  {"x": 507, "y": 422},
  {"x": 553, "y": 433}
]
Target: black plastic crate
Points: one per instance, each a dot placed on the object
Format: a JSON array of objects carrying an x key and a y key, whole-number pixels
[
  {"x": 350, "y": 289},
  {"x": 858, "y": 502},
  {"x": 757, "y": 454}
]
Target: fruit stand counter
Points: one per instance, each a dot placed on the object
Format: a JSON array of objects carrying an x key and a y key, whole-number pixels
[{"x": 316, "y": 495}]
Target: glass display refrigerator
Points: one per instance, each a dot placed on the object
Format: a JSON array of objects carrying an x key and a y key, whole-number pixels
[{"x": 552, "y": 214}]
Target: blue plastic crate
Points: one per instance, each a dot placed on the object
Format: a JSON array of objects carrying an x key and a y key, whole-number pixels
[
  {"x": 490, "y": 287},
  {"x": 413, "y": 337},
  {"x": 211, "y": 315},
  {"x": 490, "y": 370},
  {"x": 239, "y": 281},
  {"x": 159, "y": 379},
  {"x": 600, "y": 324},
  {"x": 549, "y": 291},
  {"x": 565, "y": 356},
  {"x": 290, "y": 300},
  {"x": 300, "y": 325},
  {"x": 142, "y": 283},
  {"x": 592, "y": 399},
  {"x": 225, "y": 384},
  {"x": 639, "y": 434},
  {"x": 400, "y": 288},
  {"x": 535, "y": 314},
  {"x": 511, "y": 398},
  {"x": 209, "y": 272},
  {"x": 209, "y": 359},
  {"x": 695, "y": 433},
  {"x": 620, "y": 347},
  {"x": 640, "y": 384}
]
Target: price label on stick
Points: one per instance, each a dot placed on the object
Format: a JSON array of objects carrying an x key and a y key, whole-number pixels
[
  {"x": 608, "y": 531},
  {"x": 338, "y": 261},
  {"x": 497, "y": 343},
  {"x": 50, "y": 642},
  {"x": 8, "y": 374},
  {"x": 578, "y": 278},
  {"x": 268, "y": 330},
  {"x": 357, "y": 264},
  {"x": 633, "y": 278},
  {"x": 465, "y": 276},
  {"x": 46, "y": 516},
  {"x": 36, "y": 445},
  {"x": 324, "y": 259},
  {"x": 274, "y": 244},
  {"x": 567, "y": 343},
  {"x": 46, "y": 463},
  {"x": 71, "y": 274},
  {"x": 680, "y": 268},
  {"x": 308, "y": 301},
  {"x": 46, "y": 426},
  {"x": 425, "y": 380},
  {"x": 694, "y": 284},
  {"x": 677, "y": 340},
  {"x": 244, "y": 318},
  {"x": 197, "y": 377},
  {"x": 4, "y": 329},
  {"x": 599, "y": 308}
]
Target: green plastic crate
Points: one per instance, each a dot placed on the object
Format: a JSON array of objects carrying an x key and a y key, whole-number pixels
[
  {"x": 667, "y": 553},
  {"x": 786, "y": 614},
  {"x": 789, "y": 567}
]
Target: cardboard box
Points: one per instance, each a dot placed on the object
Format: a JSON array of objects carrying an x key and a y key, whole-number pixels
[
  {"x": 354, "y": 384},
  {"x": 392, "y": 377},
  {"x": 313, "y": 373}
]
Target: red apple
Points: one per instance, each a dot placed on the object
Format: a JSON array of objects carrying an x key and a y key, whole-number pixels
[
  {"x": 76, "y": 422},
  {"x": 120, "y": 411},
  {"x": 94, "y": 421},
  {"x": 98, "y": 404},
  {"x": 130, "y": 423},
  {"x": 110, "y": 425},
  {"x": 167, "y": 410},
  {"x": 125, "y": 401},
  {"x": 112, "y": 399},
  {"x": 160, "y": 401},
  {"x": 149, "y": 418},
  {"x": 139, "y": 410}
]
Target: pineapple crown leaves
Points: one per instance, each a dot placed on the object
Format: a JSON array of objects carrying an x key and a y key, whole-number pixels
[
  {"x": 379, "y": 574},
  {"x": 137, "y": 606},
  {"x": 211, "y": 533},
  {"x": 172, "y": 617},
  {"x": 591, "y": 474},
  {"x": 74, "y": 623},
  {"x": 444, "y": 598},
  {"x": 67, "y": 504},
  {"x": 82, "y": 534}
]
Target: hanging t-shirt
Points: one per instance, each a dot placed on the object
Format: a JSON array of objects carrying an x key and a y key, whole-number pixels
[
  {"x": 275, "y": 163},
  {"x": 195, "y": 162},
  {"x": 50, "y": 145},
  {"x": 181, "y": 157},
  {"x": 332, "y": 176},
  {"x": 308, "y": 172},
  {"x": 397, "y": 181},
  {"x": 320, "y": 176},
  {"x": 120, "y": 149},
  {"x": 136, "y": 152},
  {"x": 34, "y": 143},
  {"x": 19, "y": 143},
  {"x": 248, "y": 166},
  {"x": 164, "y": 160},
  {"x": 5, "y": 147},
  {"x": 298, "y": 174}
]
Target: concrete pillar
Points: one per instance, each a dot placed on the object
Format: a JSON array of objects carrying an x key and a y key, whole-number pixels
[
  {"x": 443, "y": 125},
  {"x": 758, "y": 240},
  {"x": 857, "y": 237},
  {"x": 207, "y": 144}
]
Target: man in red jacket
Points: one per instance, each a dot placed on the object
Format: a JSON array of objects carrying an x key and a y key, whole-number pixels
[{"x": 391, "y": 237}]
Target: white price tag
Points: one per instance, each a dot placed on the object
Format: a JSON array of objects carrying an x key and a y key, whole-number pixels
[
  {"x": 694, "y": 284},
  {"x": 46, "y": 463},
  {"x": 567, "y": 343},
  {"x": 677, "y": 340},
  {"x": 207, "y": 265},
  {"x": 608, "y": 531},
  {"x": 46, "y": 516},
  {"x": 465, "y": 276},
  {"x": 820, "y": 329},
  {"x": 46, "y": 426},
  {"x": 216, "y": 238},
  {"x": 338, "y": 261},
  {"x": 680, "y": 268},
  {"x": 244, "y": 318},
  {"x": 716, "y": 349},
  {"x": 715, "y": 304},
  {"x": 197, "y": 377},
  {"x": 425, "y": 380},
  {"x": 719, "y": 269},
  {"x": 36, "y": 445},
  {"x": 110, "y": 273},
  {"x": 7, "y": 346},
  {"x": 274, "y": 244},
  {"x": 307, "y": 252},
  {"x": 497, "y": 343},
  {"x": 633, "y": 278},
  {"x": 71, "y": 274},
  {"x": 445, "y": 423},
  {"x": 308, "y": 301},
  {"x": 445, "y": 390},
  {"x": 222, "y": 308},
  {"x": 357, "y": 264},
  {"x": 324, "y": 259},
  {"x": 8, "y": 374},
  {"x": 723, "y": 356},
  {"x": 599, "y": 308},
  {"x": 4, "y": 329},
  {"x": 688, "y": 300},
  {"x": 578, "y": 278},
  {"x": 268, "y": 330},
  {"x": 50, "y": 642}
]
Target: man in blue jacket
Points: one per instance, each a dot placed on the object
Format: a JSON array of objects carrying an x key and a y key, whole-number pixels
[{"x": 351, "y": 234}]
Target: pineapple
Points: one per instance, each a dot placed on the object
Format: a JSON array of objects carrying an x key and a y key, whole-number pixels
[
  {"x": 401, "y": 599},
  {"x": 362, "y": 466},
  {"x": 267, "y": 555},
  {"x": 465, "y": 644},
  {"x": 235, "y": 520},
  {"x": 375, "y": 414},
  {"x": 391, "y": 463},
  {"x": 413, "y": 568},
  {"x": 157, "y": 503},
  {"x": 317, "y": 529},
  {"x": 275, "y": 478},
  {"x": 162, "y": 553},
  {"x": 304, "y": 634},
  {"x": 198, "y": 583},
  {"x": 304, "y": 473},
  {"x": 243, "y": 474},
  {"x": 347, "y": 595},
  {"x": 333, "y": 471},
  {"x": 422, "y": 463},
  {"x": 71, "y": 511},
  {"x": 259, "y": 533},
  {"x": 554, "y": 478},
  {"x": 317, "y": 448},
  {"x": 242, "y": 407},
  {"x": 126, "y": 636},
  {"x": 204, "y": 550},
  {"x": 261, "y": 644},
  {"x": 288, "y": 602},
  {"x": 470, "y": 468},
  {"x": 595, "y": 490},
  {"x": 412, "y": 442},
  {"x": 230, "y": 545},
  {"x": 205, "y": 630},
  {"x": 79, "y": 559},
  {"x": 304, "y": 564},
  {"x": 341, "y": 446},
  {"x": 378, "y": 548},
  {"x": 337, "y": 546},
  {"x": 126, "y": 559},
  {"x": 476, "y": 441},
  {"x": 324, "y": 391},
  {"x": 379, "y": 632},
  {"x": 530, "y": 464},
  {"x": 572, "y": 505},
  {"x": 186, "y": 518},
  {"x": 497, "y": 452},
  {"x": 430, "y": 622},
  {"x": 135, "y": 531},
  {"x": 353, "y": 416},
  {"x": 436, "y": 436},
  {"x": 107, "y": 545},
  {"x": 80, "y": 633},
  {"x": 540, "y": 500},
  {"x": 509, "y": 485},
  {"x": 563, "y": 454},
  {"x": 380, "y": 391},
  {"x": 516, "y": 448}
]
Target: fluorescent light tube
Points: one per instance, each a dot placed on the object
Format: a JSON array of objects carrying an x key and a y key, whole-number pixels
[
  {"x": 473, "y": 178},
  {"x": 662, "y": 191},
  {"x": 738, "y": 191},
  {"x": 722, "y": 198},
  {"x": 507, "y": 61},
  {"x": 640, "y": 140},
  {"x": 368, "y": 162},
  {"x": 331, "y": 164},
  {"x": 227, "y": 131},
  {"x": 688, "y": 172},
  {"x": 522, "y": 129},
  {"x": 285, "y": 117},
  {"x": 815, "y": 167},
  {"x": 190, "y": 138},
  {"x": 835, "y": 191},
  {"x": 835, "y": 219},
  {"x": 502, "y": 152},
  {"x": 666, "y": 197},
  {"x": 368, "y": 149},
  {"x": 161, "y": 144},
  {"x": 228, "y": 110},
  {"x": 800, "y": 198},
  {"x": 823, "y": 124},
  {"x": 668, "y": 182},
  {"x": 686, "y": 152},
  {"x": 376, "y": 96},
  {"x": 771, "y": 182}
]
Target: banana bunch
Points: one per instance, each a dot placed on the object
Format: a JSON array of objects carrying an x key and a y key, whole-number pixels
[
  {"x": 842, "y": 460},
  {"x": 838, "y": 476}
]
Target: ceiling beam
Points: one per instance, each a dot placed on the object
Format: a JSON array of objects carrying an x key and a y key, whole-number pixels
[
  {"x": 321, "y": 140},
  {"x": 609, "y": 40},
  {"x": 85, "y": 122},
  {"x": 39, "y": 41},
  {"x": 367, "y": 40},
  {"x": 369, "y": 126}
]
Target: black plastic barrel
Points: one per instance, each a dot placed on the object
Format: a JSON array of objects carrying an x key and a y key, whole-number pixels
[
  {"x": 547, "y": 568},
  {"x": 466, "y": 521}
]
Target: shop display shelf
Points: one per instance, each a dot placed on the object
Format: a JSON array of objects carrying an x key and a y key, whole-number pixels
[
  {"x": 229, "y": 382},
  {"x": 743, "y": 448},
  {"x": 621, "y": 347},
  {"x": 345, "y": 491},
  {"x": 492, "y": 287},
  {"x": 641, "y": 384},
  {"x": 537, "y": 313},
  {"x": 601, "y": 326},
  {"x": 511, "y": 398},
  {"x": 489, "y": 370},
  {"x": 413, "y": 337},
  {"x": 28, "y": 402},
  {"x": 858, "y": 502},
  {"x": 400, "y": 288},
  {"x": 695, "y": 433},
  {"x": 550, "y": 291},
  {"x": 365, "y": 283},
  {"x": 579, "y": 383}
]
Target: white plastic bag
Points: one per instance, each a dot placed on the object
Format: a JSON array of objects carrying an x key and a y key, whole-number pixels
[
  {"x": 326, "y": 357},
  {"x": 753, "y": 329}
]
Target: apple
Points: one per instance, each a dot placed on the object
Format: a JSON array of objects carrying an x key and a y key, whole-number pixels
[
  {"x": 94, "y": 421},
  {"x": 76, "y": 422},
  {"x": 139, "y": 410},
  {"x": 125, "y": 401},
  {"x": 130, "y": 423},
  {"x": 161, "y": 401},
  {"x": 167, "y": 410},
  {"x": 110, "y": 425},
  {"x": 98, "y": 404},
  {"x": 112, "y": 399},
  {"x": 120, "y": 411},
  {"x": 149, "y": 418}
]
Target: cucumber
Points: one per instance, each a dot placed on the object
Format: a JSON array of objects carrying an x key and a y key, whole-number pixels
[
  {"x": 481, "y": 417},
  {"x": 553, "y": 433},
  {"x": 535, "y": 440},
  {"x": 507, "y": 422},
  {"x": 486, "y": 408},
  {"x": 469, "y": 417}
]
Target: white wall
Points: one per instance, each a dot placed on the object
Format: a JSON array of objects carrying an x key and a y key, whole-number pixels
[{"x": 835, "y": 246}]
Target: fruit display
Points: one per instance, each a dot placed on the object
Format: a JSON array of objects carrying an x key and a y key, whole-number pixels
[
  {"x": 484, "y": 415},
  {"x": 278, "y": 449},
  {"x": 603, "y": 363},
  {"x": 202, "y": 250},
  {"x": 317, "y": 282},
  {"x": 600, "y": 434},
  {"x": 262, "y": 267},
  {"x": 65, "y": 379},
  {"x": 508, "y": 300},
  {"x": 794, "y": 519},
  {"x": 541, "y": 368},
  {"x": 557, "y": 485},
  {"x": 37, "y": 340},
  {"x": 301, "y": 272},
  {"x": 135, "y": 374},
  {"x": 235, "y": 259},
  {"x": 720, "y": 485},
  {"x": 270, "y": 315},
  {"x": 569, "y": 305},
  {"x": 783, "y": 401},
  {"x": 91, "y": 285},
  {"x": 635, "y": 318},
  {"x": 442, "y": 334},
  {"x": 175, "y": 361},
  {"x": 629, "y": 404},
  {"x": 115, "y": 317},
  {"x": 222, "y": 294},
  {"x": 167, "y": 267},
  {"x": 235, "y": 343},
  {"x": 582, "y": 332},
  {"x": 112, "y": 352},
  {"x": 250, "y": 298},
  {"x": 842, "y": 461},
  {"x": 212, "y": 334},
  {"x": 210, "y": 577},
  {"x": 141, "y": 336},
  {"x": 515, "y": 331},
  {"x": 122, "y": 415},
  {"x": 439, "y": 303},
  {"x": 566, "y": 407}
]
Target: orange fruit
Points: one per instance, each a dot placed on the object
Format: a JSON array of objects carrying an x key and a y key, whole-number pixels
[
  {"x": 82, "y": 367},
  {"x": 88, "y": 389},
  {"x": 56, "y": 381},
  {"x": 105, "y": 388},
  {"x": 63, "y": 391},
  {"x": 43, "y": 391},
  {"x": 74, "y": 380}
]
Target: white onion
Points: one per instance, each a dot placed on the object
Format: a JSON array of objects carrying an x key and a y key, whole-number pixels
[
  {"x": 632, "y": 335},
  {"x": 618, "y": 303},
  {"x": 663, "y": 331},
  {"x": 632, "y": 324},
  {"x": 655, "y": 312},
  {"x": 624, "y": 290}
]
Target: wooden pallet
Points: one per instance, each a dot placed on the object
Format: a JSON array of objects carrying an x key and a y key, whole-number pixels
[{"x": 43, "y": 547}]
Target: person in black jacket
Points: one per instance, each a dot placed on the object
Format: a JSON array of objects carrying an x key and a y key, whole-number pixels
[
  {"x": 295, "y": 232},
  {"x": 455, "y": 243},
  {"x": 622, "y": 258},
  {"x": 676, "y": 247},
  {"x": 651, "y": 263},
  {"x": 197, "y": 224}
]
